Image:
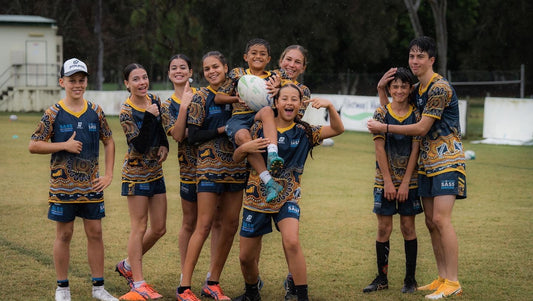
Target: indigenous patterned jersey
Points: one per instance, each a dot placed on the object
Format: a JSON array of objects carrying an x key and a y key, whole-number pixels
[
  {"x": 215, "y": 157},
  {"x": 397, "y": 147},
  {"x": 306, "y": 95},
  {"x": 139, "y": 167},
  {"x": 186, "y": 152},
  {"x": 72, "y": 174},
  {"x": 441, "y": 149},
  {"x": 293, "y": 146},
  {"x": 230, "y": 86}
]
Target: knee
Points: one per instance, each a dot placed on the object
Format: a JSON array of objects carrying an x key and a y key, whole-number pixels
[
  {"x": 159, "y": 231},
  {"x": 64, "y": 236},
  {"x": 291, "y": 245},
  {"x": 242, "y": 136},
  {"x": 247, "y": 260},
  {"x": 430, "y": 224},
  {"x": 188, "y": 225},
  {"x": 408, "y": 232},
  {"x": 384, "y": 231}
]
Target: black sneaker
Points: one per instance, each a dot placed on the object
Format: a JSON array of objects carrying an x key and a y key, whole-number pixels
[
  {"x": 248, "y": 298},
  {"x": 409, "y": 285},
  {"x": 290, "y": 289},
  {"x": 380, "y": 283}
]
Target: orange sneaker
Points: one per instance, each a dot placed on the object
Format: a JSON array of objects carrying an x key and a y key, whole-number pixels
[
  {"x": 187, "y": 295},
  {"x": 147, "y": 291},
  {"x": 446, "y": 290},
  {"x": 433, "y": 286},
  {"x": 132, "y": 295},
  {"x": 214, "y": 291},
  {"x": 120, "y": 268}
]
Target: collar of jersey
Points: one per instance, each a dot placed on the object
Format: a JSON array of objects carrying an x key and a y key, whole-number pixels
[
  {"x": 283, "y": 130},
  {"x": 128, "y": 101},
  {"x": 77, "y": 114}
]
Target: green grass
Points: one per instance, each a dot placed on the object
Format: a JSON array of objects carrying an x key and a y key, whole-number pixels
[{"x": 338, "y": 228}]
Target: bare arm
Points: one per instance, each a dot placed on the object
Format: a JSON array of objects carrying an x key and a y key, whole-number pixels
[
  {"x": 103, "y": 182},
  {"x": 335, "y": 127},
  {"x": 253, "y": 146},
  {"x": 45, "y": 147},
  {"x": 179, "y": 132},
  {"x": 221, "y": 98},
  {"x": 420, "y": 128},
  {"x": 403, "y": 191},
  {"x": 381, "y": 157},
  {"x": 382, "y": 86}
]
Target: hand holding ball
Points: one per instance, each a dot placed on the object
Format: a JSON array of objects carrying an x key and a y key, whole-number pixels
[{"x": 252, "y": 90}]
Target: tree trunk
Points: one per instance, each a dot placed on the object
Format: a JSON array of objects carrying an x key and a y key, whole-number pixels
[
  {"x": 412, "y": 9},
  {"x": 439, "y": 13},
  {"x": 100, "y": 58}
]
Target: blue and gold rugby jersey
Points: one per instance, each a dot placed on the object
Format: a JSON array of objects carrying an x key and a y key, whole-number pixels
[
  {"x": 139, "y": 167},
  {"x": 397, "y": 147},
  {"x": 186, "y": 152},
  {"x": 441, "y": 149},
  {"x": 293, "y": 147},
  {"x": 230, "y": 86},
  {"x": 215, "y": 157},
  {"x": 72, "y": 174}
]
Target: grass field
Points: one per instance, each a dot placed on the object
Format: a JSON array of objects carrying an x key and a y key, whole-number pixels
[{"x": 338, "y": 228}]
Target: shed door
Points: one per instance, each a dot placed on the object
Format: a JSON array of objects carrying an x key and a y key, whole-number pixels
[{"x": 36, "y": 67}]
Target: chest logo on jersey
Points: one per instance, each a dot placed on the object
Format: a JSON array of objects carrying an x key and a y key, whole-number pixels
[
  {"x": 281, "y": 140},
  {"x": 294, "y": 143},
  {"x": 215, "y": 110},
  {"x": 80, "y": 125},
  {"x": 92, "y": 127},
  {"x": 65, "y": 128}
]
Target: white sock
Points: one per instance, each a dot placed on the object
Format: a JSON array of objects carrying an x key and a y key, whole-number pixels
[
  {"x": 127, "y": 265},
  {"x": 137, "y": 284},
  {"x": 272, "y": 148},
  {"x": 265, "y": 176}
]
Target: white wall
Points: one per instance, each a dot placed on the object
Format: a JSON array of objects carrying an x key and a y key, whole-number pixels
[{"x": 508, "y": 121}]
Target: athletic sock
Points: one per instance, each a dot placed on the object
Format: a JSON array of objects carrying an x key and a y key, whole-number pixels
[
  {"x": 301, "y": 292},
  {"x": 411, "y": 251},
  {"x": 252, "y": 290},
  {"x": 265, "y": 176},
  {"x": 137, "y": 284},
  {"x": 209, "y": 282},
  {"x": 382, "y": 251},
  {"x": 62, "y": 283},
  {"x": 98, "y": 281},
  {"x": 272, "y": 148},
  {"x": 182, "y": 289},
  {"x": 127, "y": 265}
]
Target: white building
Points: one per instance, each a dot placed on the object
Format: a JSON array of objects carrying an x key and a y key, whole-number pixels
[{"x": 30, "y": 60}]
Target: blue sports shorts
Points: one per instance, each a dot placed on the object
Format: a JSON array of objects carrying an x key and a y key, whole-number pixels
[
  {"x": 259, "y": 223},
  {"x": 67, "y": 212},
  {"x": 208, "y": 186},
  {"x": 449, "y": 183},
  {"x": 188, "y": 192},
  {"x": 411, "y": 206},
  {"x": 148, "y": 189},
  {"x": 238, "y": 122}
]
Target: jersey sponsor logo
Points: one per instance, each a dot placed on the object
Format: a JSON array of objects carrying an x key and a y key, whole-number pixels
[
  {"x": 65, "y": 128},
  {"x": 295, "y": 142},
  {"x": 249, "y": 218},
  {"x": 56, "y": 209},
  {"x": 144, "y": 186},
  {"x": 293, "y": 209},
  {"x": 447, "y": 184},
  {"x": 215, "y": 110},
  {"x": 281, "y": 140},
  {"x": 207, "y": 184},
  {"x": 80, "y": 125},
  {"x": 92, "y": 127}
]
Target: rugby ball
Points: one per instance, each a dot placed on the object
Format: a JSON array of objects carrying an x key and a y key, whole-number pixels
[
  {"x": 252, "y": 90},
  {"x": 470, "y": 155}
]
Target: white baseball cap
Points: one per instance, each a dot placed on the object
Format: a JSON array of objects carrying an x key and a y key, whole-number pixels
[{"x": 72, "y": 66}]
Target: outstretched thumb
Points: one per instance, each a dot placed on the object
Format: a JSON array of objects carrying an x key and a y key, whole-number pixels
[{"x": 73, "y": 135}]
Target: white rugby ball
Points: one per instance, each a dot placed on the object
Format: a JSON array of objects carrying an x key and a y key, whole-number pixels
[
  {"x": 252, "y": 90},
  {"x": 470, "y": 155}
]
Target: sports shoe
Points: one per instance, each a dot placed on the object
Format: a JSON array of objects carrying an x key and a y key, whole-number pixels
[
  {"x": 213, "y": 291},
  {"x": 63, "y": 293},
  {"x": 409, "y": 285},
  {"x": 100, "y": 293},
  {"x": 445, "y": 290},
  {"x": 248, "y": 298},
  {"x": 144, "y": 291},
  {"x": 274, "y": 163},
  {"x": 380, "y": 283},
  {"x": 434, "y": 285},
  {"x": 260, "y": 283},
  {"x": 290, "y": 289},
  {"x": 187, "y": 295},
  {"x": 272, "y": 190},
  {"x": 120, "y": 268}
]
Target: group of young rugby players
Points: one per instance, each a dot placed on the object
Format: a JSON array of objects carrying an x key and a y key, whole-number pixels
[{"x": 234, "y": 160}]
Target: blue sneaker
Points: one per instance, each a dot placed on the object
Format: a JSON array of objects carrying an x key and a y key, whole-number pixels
[
  {"x": 290, "y": 289},
  {"x": 274, "y": 163},
  {"x": 272, "y": 190}
]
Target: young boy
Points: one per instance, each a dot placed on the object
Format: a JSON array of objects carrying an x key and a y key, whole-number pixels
[
  {"x": 442, "y": 176},
  {"x": 257, "y": 55},
  {"x": 396, "y": 186},
  {"x": 70, "y": 130}
]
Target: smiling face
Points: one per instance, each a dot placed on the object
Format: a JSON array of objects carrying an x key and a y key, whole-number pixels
[
  {"x": 293, "y": 62},
  {"x": 257, "y": 57},
  {"x": 179, "y": 72},
  {"x": 137, "y": 82},
  {"x": 288, "y": 102},
  {"x": 74, "y": 85},
  {"x": 420, "y": 63},
  {"x": 399, "y": 90},
  {"x": 214, "y": 71}
]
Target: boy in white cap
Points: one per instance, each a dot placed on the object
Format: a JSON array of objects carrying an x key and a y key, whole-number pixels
[{"x": 70, "y": 130}]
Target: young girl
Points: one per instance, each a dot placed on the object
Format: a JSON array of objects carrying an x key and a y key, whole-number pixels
[
  {"x": 296, "y": 139},
  {"x": 396, "y": 181},
  {"x": 142, "y": 178},
  {"x": 293, "y": 61},
  {"x": 220, "y": 180}
]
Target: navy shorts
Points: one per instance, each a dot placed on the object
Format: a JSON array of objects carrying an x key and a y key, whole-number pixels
[
  {"x": 450, "y": 183},
  {"x": 67, "y": 212},
  {"x": 208, "y": 186},
  {"x": 411, "y": 206},
  {"x": 148, "y": 189},
  {"x": 259, "y": 223},
  {"x": 238, "y": 122},
  {"x": 188, "y": 192}
]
